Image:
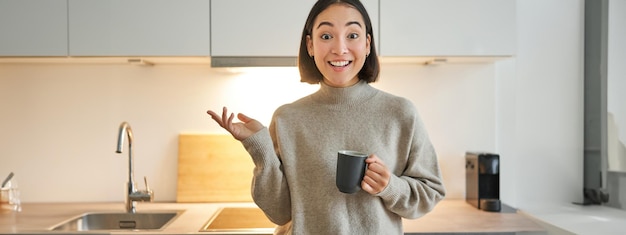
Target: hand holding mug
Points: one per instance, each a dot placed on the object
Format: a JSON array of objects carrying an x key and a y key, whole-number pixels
[{"x": 376, "y": 176}]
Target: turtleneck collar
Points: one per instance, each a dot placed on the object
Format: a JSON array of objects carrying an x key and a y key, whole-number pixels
[{"x": 352, "y": 95}]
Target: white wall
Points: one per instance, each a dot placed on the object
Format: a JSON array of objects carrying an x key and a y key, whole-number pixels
[
  {"x": 549, "y": 101},
  {"x": 616, "y": 86},
  {"x": 59, "y": 122},
  {"x": 616, "y": 123}
]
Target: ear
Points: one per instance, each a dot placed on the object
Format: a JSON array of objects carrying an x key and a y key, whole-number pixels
[
  {"x": 309, "y": 45},
  {"x": 368, "y": 47}
]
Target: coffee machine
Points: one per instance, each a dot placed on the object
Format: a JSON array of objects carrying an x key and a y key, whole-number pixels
[{"x": 482, "y": 180}]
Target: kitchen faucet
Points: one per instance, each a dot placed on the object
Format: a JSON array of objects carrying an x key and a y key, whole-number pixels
[{"x": 133, "y": 195}]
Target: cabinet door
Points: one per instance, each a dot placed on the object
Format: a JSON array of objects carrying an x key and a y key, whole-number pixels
[
  {"x": 33, "y": 28},
  {"x": 447, "y": 27},
  {"x": 139, "y": 28},
  {"x": 263, "y": 28},
  {"x": 257, "y": 28}
]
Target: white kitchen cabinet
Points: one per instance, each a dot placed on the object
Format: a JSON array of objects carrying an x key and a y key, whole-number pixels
[
  {"x": 263, "y": 28},
  {"x": 447, "y": 27},
  {"x": 33, "y": 28},
  {"x": 139, "y": 28}
]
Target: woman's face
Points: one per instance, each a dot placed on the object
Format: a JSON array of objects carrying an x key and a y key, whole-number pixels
[{"x": 339, "y": 44}]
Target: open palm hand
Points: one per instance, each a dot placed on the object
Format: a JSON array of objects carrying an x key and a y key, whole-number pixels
[{"x": 239, "y": 130}]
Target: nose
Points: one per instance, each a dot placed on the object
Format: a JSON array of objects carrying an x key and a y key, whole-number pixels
[{"x": 339, "y": 46}]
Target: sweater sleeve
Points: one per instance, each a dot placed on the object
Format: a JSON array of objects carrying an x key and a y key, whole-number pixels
[
  {"x": 419, "y": 188},
  {"x": 269, "y": 185}
]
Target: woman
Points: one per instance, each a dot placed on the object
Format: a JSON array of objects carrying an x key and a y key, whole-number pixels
[{"x": 295, "y": 158}]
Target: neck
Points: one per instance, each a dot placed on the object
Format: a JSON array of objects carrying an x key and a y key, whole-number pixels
[
  {"x": 349, "y": 83},
  {"x": 352, "y": 95}
]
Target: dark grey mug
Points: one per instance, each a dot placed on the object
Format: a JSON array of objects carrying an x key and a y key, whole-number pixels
[{"x": 350, "y": 170}]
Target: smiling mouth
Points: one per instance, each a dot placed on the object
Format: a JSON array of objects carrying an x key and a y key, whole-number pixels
[{"x": 342, "y": 63}]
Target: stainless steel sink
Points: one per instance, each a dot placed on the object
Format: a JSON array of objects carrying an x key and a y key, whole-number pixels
[{"x": 95, "y": 221}]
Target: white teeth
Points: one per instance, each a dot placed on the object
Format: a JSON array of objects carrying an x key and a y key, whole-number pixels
[{"x": 339, "y": 63}]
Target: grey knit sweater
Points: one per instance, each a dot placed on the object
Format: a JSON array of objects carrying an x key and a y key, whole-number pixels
[{"x": 295, "y": 162}]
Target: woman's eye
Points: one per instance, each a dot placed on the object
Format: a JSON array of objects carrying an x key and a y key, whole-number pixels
[
  {"x": 353, "y": 36},
  {"x": 326, "y": 36}
]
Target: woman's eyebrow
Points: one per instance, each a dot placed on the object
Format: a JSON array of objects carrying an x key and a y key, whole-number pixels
[
  {"x": 325, "y": 23},
  {"x": 354, "y": 22},
  {"x": 347, "y": 24}
]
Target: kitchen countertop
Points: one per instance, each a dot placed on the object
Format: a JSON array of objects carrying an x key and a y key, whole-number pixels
[
  {"x": 450, "y": 216},
  {"x": 570, "y": 218}
]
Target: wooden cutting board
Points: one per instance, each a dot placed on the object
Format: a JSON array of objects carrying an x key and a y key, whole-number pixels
[{"x": 213, "y": 168}]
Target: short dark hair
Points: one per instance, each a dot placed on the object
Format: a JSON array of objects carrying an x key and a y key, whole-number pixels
[{"x": 306, "y": 64}]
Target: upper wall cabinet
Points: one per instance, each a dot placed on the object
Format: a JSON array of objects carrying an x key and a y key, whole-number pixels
[
  {"x": 257, "y": 28},
  {"x": 263, "y": 28},
  {"x": 139, "y": 27},
  {"x": 33, "y": 28},
  {"x": 447, "y": 27}
]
